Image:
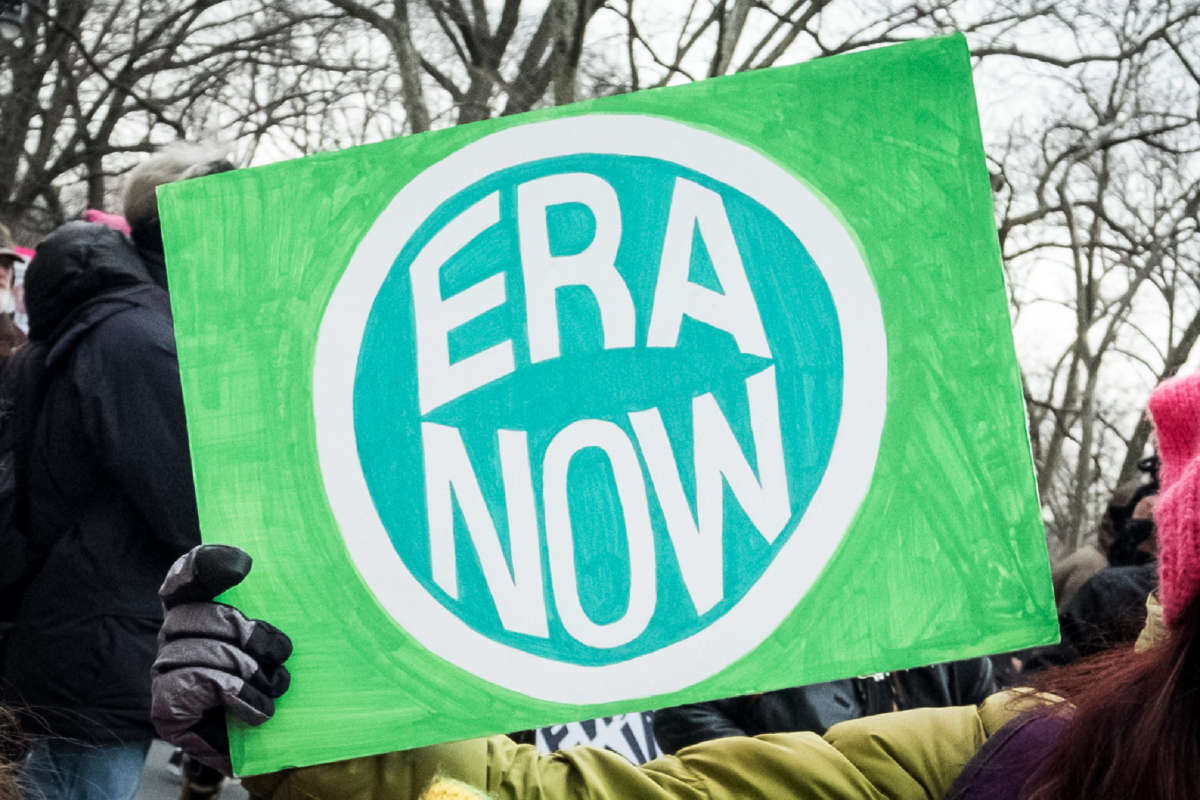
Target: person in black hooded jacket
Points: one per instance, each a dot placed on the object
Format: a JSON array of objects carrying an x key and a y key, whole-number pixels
[{"x": 110, "y": 500}]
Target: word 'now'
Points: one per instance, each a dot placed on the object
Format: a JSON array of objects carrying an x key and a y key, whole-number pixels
[{"x": 519, "y": 590}]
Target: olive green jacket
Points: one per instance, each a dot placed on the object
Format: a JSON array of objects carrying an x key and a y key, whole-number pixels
[{"x": 907, "y": 754}]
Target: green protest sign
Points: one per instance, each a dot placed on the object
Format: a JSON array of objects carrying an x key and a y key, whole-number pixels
[{"x": 655, "y": 398}]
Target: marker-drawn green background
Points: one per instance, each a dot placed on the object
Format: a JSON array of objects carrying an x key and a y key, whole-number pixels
[{"x": 945, "y": 559}]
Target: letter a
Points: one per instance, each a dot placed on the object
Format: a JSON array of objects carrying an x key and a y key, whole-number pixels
[{"x": 695, "y": 209}]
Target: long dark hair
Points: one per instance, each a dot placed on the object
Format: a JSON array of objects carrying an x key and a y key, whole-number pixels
[{"x": 1134, "y": 723}]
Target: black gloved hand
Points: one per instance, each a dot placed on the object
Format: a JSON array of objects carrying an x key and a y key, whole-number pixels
[{"x": 212, "y": 658}]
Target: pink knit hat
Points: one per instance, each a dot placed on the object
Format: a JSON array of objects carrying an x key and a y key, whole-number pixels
[{"x": 1175, "y": 407}]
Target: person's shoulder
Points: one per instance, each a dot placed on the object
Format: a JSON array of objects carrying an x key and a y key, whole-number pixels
[
  {"x": 142, "y": 315},
  {"x": 920, "y": 752},
  {"x": 11, "y": 336},
  {"x": 1135, "y": 580},
  {"x": 1086, "y": 557},
  {"x": 1009, "y": 757},
  {"x": 131, "y": 336}
]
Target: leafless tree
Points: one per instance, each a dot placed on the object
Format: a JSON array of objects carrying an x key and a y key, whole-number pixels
[
  {"x": 88, "y": 84},
  {"x": 1097, "y": 218},
  {"x": 1090, "y": 110}
]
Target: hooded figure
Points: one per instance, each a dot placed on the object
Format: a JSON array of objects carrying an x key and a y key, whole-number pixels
[{"x": 110, "y": 500}]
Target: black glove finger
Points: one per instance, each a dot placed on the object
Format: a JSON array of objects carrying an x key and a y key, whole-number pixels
[
  {"x": 210, "y": 654},
  {"x": 203, "y": 573},
  {"x": 249, "y": 704},
  {"x": 272, "y": 682},
  {"x": 267, "y": 645}
]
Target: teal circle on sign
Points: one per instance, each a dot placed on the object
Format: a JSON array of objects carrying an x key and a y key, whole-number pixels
[{"x": 587, "y": 381}]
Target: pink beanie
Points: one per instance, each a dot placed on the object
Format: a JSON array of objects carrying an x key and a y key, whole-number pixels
[
  {"x": 104, "y": 218},
  {"x": 1175, "y": 407}
]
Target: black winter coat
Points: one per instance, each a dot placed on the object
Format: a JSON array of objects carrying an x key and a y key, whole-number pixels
[
  {"x": 111, "y": 500},
  {"x": 819, "y": 706}
]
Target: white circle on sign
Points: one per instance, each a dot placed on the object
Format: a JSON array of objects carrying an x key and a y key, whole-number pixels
[{"x": 814, "y": 537}]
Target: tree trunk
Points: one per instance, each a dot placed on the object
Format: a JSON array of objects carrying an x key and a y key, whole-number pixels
[{"x": 407, "y": 58}]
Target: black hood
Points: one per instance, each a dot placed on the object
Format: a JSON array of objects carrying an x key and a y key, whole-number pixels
[{"x": 77, "y": 263}]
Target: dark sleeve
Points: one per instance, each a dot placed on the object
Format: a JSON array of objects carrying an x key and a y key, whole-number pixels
[
  {"x": 12, "y": 559},
  {"x": 133, "y": 410},
  {"x": 681, "y": 726},
  {"x": 972, "y": 681},
  {"x": 955, "y": 683},
  {"x": 18, "y": 403}
]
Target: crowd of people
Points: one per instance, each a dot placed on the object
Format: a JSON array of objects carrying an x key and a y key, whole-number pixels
[{"x": 101, "y": 535}]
